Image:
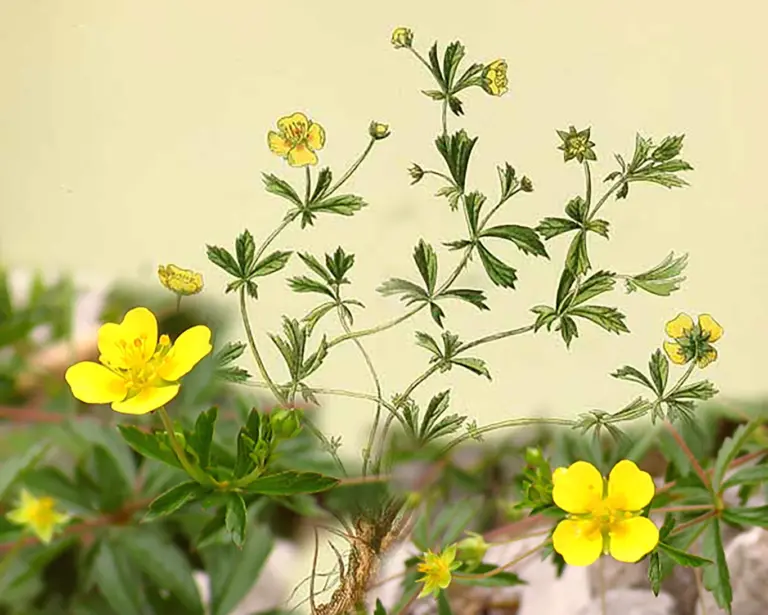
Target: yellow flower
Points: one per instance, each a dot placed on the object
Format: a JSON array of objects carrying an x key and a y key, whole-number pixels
[
  {"x": 604, "y": 516},
  {"x": 38, "y": 515},
  {"x": 437, "y": 570},
  {"x": 297, "y": 140},
  {"x": 402, "y": 37},
  {"x": 137, "y": 373},
  {"x": 692, "y": 341},
  {"x": 378, "y": 131},
  {"x": 180, "y": 281},
  {"x": 495, "y": 78}
]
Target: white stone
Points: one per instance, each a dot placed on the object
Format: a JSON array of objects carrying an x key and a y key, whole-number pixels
[{"x": 630, "y": 602}]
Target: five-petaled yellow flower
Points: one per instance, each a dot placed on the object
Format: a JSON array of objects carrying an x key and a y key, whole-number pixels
[
  {"x": 137, "y": 373},
  {"x": 495, "y": 78},
  {"x": 437, "y": 570},
  {"x": 402, "y": 37},
  {"x": 692, "y": 341},
  {"x": 297, "y": 140},
  {"x": 180, "y": 281},
  {"x": 39, "y": 515},
  {"x": 603, "y": 516}
]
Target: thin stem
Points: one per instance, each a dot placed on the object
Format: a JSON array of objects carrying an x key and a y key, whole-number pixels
[
  {"x": 509, "y": 564},
  {"x": 377, "y": 329},
  {"x": 194, "y": 471},
  {"x": 445, "y": 116},
  {"x": 422, "y": 60},
  {"x": 351, "y": 169},
  {"x": 377, "y": 384},
  {"x": 439, "y": 174},
  {"x": 688, "y": 453},
  {"x": 326, "y": 443},
  {"x": 588, "y": 183},
  {"x": 604, "y": 198},
  {"x": 692, "y": 522},
  {"x": 521, "y": 422},
  {"x": 255, "y": 351},
  {"x": 178, "y": 303},
  {"x": 495, "y": 336},
  {"x": 683, "y": 508},
  {"x": 308, "y": 182},
  {"x": 683, "y": 379},
  {"x": 273, "y": 235}
]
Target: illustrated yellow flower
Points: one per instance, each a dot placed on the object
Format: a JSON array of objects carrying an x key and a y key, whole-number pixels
[
  {"x": 692, "y": 341},
  {"x": 437, "y": 570},
  {"x": 297, "y": 140},
  {"x": 137, "y": 373},
  {"x": 180, "y": 281},
  {"x": 402, "y": 37},
  {"x": 495, "y": 78},
  {"x": 378, "y": 131},
  {"x": 604, "y": 516},
  {"x": 39, "y": 515}
]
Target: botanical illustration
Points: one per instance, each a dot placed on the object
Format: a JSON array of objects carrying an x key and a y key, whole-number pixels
[{"x": 185, "y": 453}]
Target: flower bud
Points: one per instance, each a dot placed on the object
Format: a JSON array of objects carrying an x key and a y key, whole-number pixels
[
  {"x": 378, "y": 131},
  {"x": 416, "y": 173},
  {"x": 471, "y": 550},
  {"x": 285, "y": 423},
  {"x": 495, "y": 78},
  {"x": 526, "y": 184},
  {"x": 402, "y": 37}
]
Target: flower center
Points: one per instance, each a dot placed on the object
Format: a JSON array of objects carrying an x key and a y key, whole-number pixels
[
  {"x": 296, "y": 133},
  {"x": 42, "y": 512},
  {"x": 141, "y": 372}
]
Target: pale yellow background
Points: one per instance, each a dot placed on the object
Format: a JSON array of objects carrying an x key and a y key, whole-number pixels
[{"x": 134, "y": 132}]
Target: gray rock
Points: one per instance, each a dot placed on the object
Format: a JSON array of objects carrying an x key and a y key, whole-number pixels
[
  {"x": 631, "y": 602},
  {"x": 747, "y": 557}
]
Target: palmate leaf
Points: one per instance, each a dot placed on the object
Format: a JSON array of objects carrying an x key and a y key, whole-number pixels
[
  {"x": 662, "y": 280},
  {"x": 523, "y": 237},
  {"x": 498, "y": 271},
  {"x": 608, "y": 318},
  {"x": 456, "y": 150},
  {"x": 426, "y": 261},
  {"x": 281, "y": 188}
]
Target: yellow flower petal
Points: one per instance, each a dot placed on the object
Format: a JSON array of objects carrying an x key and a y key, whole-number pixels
[
  {"x": 633, "y": 538},
  {"x": 709, "y": 325},
  {"x": 277, "y": 144},
  {"x": 675, "y": 352},
  {"x": 708, "y": 357},
  {"x": 131, "y": 342},
  {"x": 579, "y": 542},
  {"x": 294, "y": 127},
  {"x": 629, "y": 488},
  {"x": 680, "y": 326},
  {"x": 315, "y": 137},
  {"x": 147, "y": 400},
  {"x": 301, "y": 156},
  {"x": 187, "y": 351},
  {"x": 93, "y": 383},
  {"x": 579, "y": 489}
]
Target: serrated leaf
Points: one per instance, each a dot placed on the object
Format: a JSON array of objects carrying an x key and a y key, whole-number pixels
[
  {"x": 245, "y": 250},
  {"x": 456, "y": 150},
  {"x": 426, "y": 261},
  {"x": 341, "y": 204},
  {"x": 577, "y": 210},
  {"x": 411, "y": 293},
  {"x": 753, "y": 475},
  {"x": 608, "y": 318},
  {"x": 473, "y": 203},
  {"x": 290, "y": 483},
  {"x": 568, "y": 329},
  {"x": 659, "y": 370},
  {"x": 663, "y": 279},
  {"x": 683, "y": 558},
  {"x": 716, "y": 578},
  {"x": 271, "y": 264},
  {"x": 632, "y": 374},
  {"x": 545, "y": 317},
  {"x": 552, "y": 227},
  {"x": 498, "y": 272},
  {"x": 173, "y": 499},
  {"x": 148, "y": 445},
  {"x": 475, "y": 297},
  {"x": 753, "y": 516},
  {"x": 322, "y": 184},
  {"x": 577, "y": 259},
  {"x": 202, "y": 436},
  {"x": 434, "y": 94},
  {"x": 476, "y": 366},
  {"x": 281, "y": 188},
  {"x": 596, "y": 284},
  {"x": 303, "y": 284},
  {"x": 523, "y": 237},
  {"x": 500, "y": 579},
  {"x": 223, "y": 259}
]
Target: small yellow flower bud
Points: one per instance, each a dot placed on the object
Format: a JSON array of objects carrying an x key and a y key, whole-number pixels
[
  {"x": 402, "y": 37},
  {"x": 180, "y": 281},
  {"x": 378, "y": 131},
  {"x": 38, "y": 515}
]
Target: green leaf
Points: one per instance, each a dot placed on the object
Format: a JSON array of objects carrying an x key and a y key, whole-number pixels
[
  {"x": 473, "y": 203},
  {"x": 596, "y": 284},
  {"x": 233, "y": 571},
  {"x": 663, "y": 279},
  {"x": 147, "y": 444},
  {"x": 632, "y": 374},
  {"x": 443, "y": 606},
  {"x": 245, "y": 250},
  {"x": 245, "y": 447},
  {"x": 456, "y": 150},
  {"x": 750, "y": 516},
  {"x": 380, "y": 610},
  {"x": 51, "y": 481},
  {"x": 270, "y": 264},
  {"x": 577, "y": 259},
  {"x": 701, "y": 390},
  {"x": 236, "y": 519},
  {"x": 454, "y": 53},
  {"x": 202, "y": 436},
  {"x": 476, "y": 366},
  {"x": 608, "y": 318},
  {"x": 753, "y": 475},
  {"x": 339, "y": 265},
  {"x": 659, "y": 370},
  {"x": 303, "y": 284},
  {"x": 568, "y": 329},
  {"x": 324, "y": 178},
  {"x": 341, "y": 204},
  {"x": 577, "y": 210},
  {"x": 434, "y": 94},
  {"x": 317, "y": 267},
  {"x": 117, "y": 580},
  {"x": 654, "y": 572},
  {"x": 523, "y": 237},
  {"x": 475, "y": 297},
  {"x": 434, "y": 65},
  {"x": 173, "y": 499},
  {"x": 114, "y": 490},
  {"x": 290, "y": 483},
  {"x": 498, "y": 272},
  {"x": 313, "y": 317},
  {"x": 13, "y": 467},
  {"x": 163, "y": 562},
  {"x": 223, "y": 259},
  {"x": 426, "y": 261},
  {"x": 546, "y": 316},
  {"x": 669, "y": 148},
  {"x": 683, "y": 558},
  {"x": 281, "y": 188},
  {"x": 599, "y": 226},
  {"x": 729, "y": 451},
  {"x": 508, "y": 182},
  {"x": 411, "y": 293},
  {"x": 501, "y": 579},
  {"x": 717, "y": 578},
  {"x": 552, "y": 227}
]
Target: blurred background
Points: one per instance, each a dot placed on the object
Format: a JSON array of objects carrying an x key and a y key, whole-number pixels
[{"x": 132, "y": 133}]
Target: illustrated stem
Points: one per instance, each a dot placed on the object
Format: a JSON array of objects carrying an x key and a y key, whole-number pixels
[
  {"x": 604, "y": 198},
  {"x": 351, "y": 169},
  {"x": 273, "y": 235},
  {"x": 308, "y": 186},
  {"x": 193, "y": 470},
  {"x": 510, "y": 423},
  {"x": 588, "y": 184}
]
